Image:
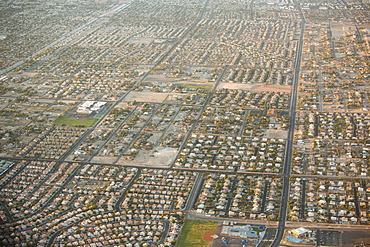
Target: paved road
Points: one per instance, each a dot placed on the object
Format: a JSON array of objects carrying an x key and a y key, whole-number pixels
[
  {"x": 268, "y": 237},
  {"x": 303, "y": 199},
  {"x": 263, "y": 203},
  {"x": 244, "y": 122},
  {"x": 196, "y": 170},
  {"x": 321, "y": 92},
  {"x": 331, "y": 41},
  {"x": 117, "y": 205},
  {"x": 7, "y": 212},
  {"x": 327, "y": 226},
  {"x": 194, "y": 192},
  {"x": 289, "y": 142}
]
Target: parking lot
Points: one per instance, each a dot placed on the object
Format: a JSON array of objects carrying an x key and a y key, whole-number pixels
[{"x": 328, "y": 238}]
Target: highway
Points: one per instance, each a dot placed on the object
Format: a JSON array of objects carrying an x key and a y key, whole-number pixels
[{"x": 290, "y": 139}]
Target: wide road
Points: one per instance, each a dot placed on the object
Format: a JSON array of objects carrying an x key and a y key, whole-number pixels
[
  {"x": 194, "y": 192},
  {"x": 289, "y": 142},
  {"x": 232, "y": 172}
]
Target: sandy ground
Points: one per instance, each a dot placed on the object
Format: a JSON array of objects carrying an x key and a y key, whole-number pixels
[
  {"x": 272, "y": 88},
  {"x": 143, "y": 68},
  {"x": 208, "y": 236},
  {"x": 124, "y": 105},
  {"x": 140, "y": 40},
  {"x": 281, "y": 134},
  {"x": 146, "y": 96},
  {"x": 104, "y": 159},
  {"x": 160, "y": 77},
  {"x": 149, "y": 158},
  {"x": 28, "y": 74},
  {"x": 244, "y": 86},
  {"x": 255, "y": 88}
]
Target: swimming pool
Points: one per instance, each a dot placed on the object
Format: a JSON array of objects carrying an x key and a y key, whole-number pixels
[{"x": 294, "y": 240}]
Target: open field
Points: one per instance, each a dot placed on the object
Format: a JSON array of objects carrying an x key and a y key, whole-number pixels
[
  {"x": 255, "y": 87},
  {"x": 198, "y": 86},
  {"x": 75, "y": 122},
  {"x": 194, "y": 232},
  {"x": 140, "y": 40},
  {"x": 161, "y": 158},
  {"x": 28, "y": 74},
  {"x": 146, "y": 96}
]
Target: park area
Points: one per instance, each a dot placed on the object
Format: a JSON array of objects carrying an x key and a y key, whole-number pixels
[
  {"x": 197, "y": 233},
  {"x": 70, "y": 121}
]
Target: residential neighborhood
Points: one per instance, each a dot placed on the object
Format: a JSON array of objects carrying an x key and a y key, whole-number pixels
[{"x": 184, "y": 123}]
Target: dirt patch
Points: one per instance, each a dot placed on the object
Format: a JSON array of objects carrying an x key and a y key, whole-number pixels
[
  {"x": 164, "y": 78},
  {"x": 26, "y": 74},
  {"x": 276, "y": 134},
  {"x": 122, "y": 105},
  {"x": 280, "y": 89},
  {"x": 208, "y": 236},
  {"x": 356, "y": 238},
  {"x": 49, "y": 101},
  {"x": 241, "y": 86},
  {"x": 146, "y": 96},
  {"x": 149, "y": 158},
  {"x": 255, "y": 88},
  {"x": 140, "y": 40},
  {"x": 104, "y": 159},
  {"x": 143, "y": 68},
  {"x": 339, "y": 29}
]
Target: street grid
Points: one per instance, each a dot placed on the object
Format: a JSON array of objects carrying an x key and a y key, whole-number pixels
[{"x": 213, "y": 110}]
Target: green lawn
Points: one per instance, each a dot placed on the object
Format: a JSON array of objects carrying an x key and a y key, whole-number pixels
[
  {"x": 193, "y": 232},
  {"x": 67, "y": 121},
  {"x": 197, "y": 86}
]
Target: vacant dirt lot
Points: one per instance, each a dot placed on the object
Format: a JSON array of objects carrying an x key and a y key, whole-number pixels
[
  {"x": 140, "y": 40},
  {"x": 146, "y": 96},
  {"x": 255, "y": 88},
  {"x": 148, "y": 158}
]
